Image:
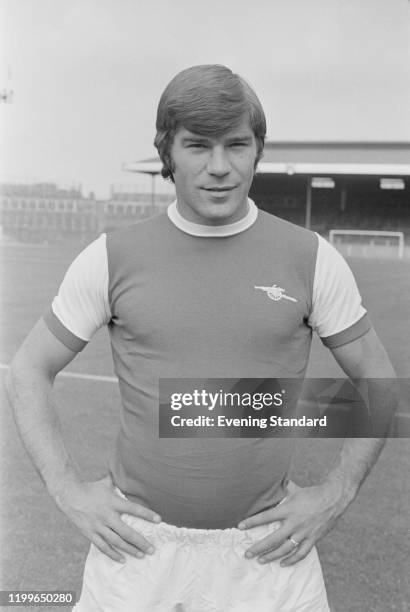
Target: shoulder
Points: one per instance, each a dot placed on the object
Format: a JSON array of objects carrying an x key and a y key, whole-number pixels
[
  {"x": 288, "y": 227},
  {"x": 145, "y": 227},
  {"x": 287, "y": 234},
  {"x": 137, "y": 240}
]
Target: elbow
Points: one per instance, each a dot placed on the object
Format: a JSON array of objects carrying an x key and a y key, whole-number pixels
[
  {"x": 377, "y": 366},
  {"x": 21, "y": 374},
  {"x": 8, "y": 384},
  {"x": 10, "y": 380}
]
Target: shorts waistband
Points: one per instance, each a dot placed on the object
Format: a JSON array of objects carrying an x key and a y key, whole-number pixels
[{"x": 166, "y": 532}]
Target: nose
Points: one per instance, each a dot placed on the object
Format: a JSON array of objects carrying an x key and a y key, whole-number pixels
[{"x": 218, "y": 161}]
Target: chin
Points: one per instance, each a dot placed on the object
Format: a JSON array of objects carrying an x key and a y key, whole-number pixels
[
  {"x": 218, "y": 210},
  {"x": 218, "y": 215}
]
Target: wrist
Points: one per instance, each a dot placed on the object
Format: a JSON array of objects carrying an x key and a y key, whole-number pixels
[
  {"x": 60, "y": 487},
  {"x": 342, "y": 491}
]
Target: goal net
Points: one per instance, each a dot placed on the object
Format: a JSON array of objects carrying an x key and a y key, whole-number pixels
[{"x": 367, "y": 243}]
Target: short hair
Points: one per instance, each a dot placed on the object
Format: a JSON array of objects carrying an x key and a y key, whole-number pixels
[{"x": 209, "y": 100}]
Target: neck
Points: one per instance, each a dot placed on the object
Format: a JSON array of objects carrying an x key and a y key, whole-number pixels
[
  {"x": 207, "y": 230},
  {"x": 211, "y": 217}
]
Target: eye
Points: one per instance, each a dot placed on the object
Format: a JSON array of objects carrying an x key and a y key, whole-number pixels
[
  {"x": 238, "y": 144},
  {"x": 197, "y": 145}
]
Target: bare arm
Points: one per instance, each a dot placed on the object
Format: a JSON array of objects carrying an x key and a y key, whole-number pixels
[
  {"x": 29, "y": 383},
  {"x": 366, "y": 363},
  {"x": 94, "y": 507},
  {"x": 309, "y": 513}
]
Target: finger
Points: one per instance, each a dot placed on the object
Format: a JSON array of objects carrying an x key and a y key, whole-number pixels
[
  {"x": 300, "y": 553},
  {"x": 105, "y": 548},
  {"x": 128, "y": 507},
  {"x": 131, "y": 536},
  {"x": 106, "y": 480},
  {"x": 284, "y": 550},
  {"x": 269, "y": 543},
  {"x": 115, "y": 541},
  {"x": 292, "y": 487},
  {"x": 267, "y": 516}
]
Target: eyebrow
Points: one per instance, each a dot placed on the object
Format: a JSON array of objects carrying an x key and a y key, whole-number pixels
[
  {"x": 242, "y": 138},
  {"x": 194, "y": 139}
]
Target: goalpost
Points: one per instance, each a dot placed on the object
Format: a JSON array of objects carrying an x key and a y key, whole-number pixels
[{"x": 368, "y": 243}]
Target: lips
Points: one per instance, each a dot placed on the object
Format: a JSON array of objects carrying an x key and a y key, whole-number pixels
[{"x": 221, "y": 189}]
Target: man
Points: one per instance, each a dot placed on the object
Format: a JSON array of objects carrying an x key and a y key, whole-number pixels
[{"x": 200, "y": 524}]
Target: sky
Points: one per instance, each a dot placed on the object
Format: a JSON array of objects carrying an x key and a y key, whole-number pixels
[{"x": 87, "y": 75}]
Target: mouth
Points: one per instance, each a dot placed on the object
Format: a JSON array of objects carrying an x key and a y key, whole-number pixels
[{"x": 223, "y": 189}]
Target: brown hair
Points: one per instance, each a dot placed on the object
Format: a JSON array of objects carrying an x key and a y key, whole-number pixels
[{"x": 208, "y": 100}]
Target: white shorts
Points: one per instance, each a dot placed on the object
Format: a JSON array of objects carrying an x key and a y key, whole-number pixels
[{"x": 200, "y": 570}]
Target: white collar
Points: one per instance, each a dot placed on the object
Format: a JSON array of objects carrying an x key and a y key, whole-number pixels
[{"x": 210, "y": 231}]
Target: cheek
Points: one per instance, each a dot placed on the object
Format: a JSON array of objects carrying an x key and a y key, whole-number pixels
[
  {"x": 246, "y": 166},
  {"x": 182, "y": 175},
  {"x": 187, "y": 171},
  {"x": 248, "y": 173}
]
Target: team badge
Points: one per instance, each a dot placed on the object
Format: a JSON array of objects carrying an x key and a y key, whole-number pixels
[{"x": 276, "y": 293}]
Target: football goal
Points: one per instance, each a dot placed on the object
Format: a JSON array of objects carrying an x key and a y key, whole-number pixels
[{"x": 368, "y": 243}]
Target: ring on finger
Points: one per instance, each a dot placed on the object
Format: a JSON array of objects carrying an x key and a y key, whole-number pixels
[{"x": 294, "y": 542}]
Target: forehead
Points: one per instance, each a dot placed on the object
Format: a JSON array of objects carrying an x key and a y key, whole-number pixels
[{"x": 242, "y": 129}]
